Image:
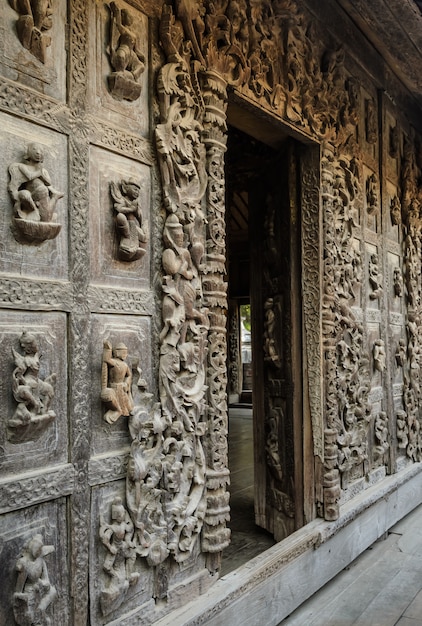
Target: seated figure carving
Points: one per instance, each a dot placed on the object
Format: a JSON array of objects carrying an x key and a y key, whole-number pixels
[{"x": 34, "y": 198}]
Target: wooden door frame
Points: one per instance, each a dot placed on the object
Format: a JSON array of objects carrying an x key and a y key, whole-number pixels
[{"x": 304, "y": 185}]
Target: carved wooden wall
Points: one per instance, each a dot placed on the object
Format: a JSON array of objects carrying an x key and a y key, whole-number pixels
[{"x": 113, "y": 444}]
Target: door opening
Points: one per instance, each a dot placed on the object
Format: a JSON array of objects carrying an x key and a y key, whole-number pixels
[{"x": 264, "y": 329}]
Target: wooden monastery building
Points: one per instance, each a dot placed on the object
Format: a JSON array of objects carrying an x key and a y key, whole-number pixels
[{"x": 211, "y": 233}]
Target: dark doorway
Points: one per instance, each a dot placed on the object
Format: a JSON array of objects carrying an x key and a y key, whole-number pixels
[
  {"x": 265, "y": 391},
  {"x": 244, "y": 156}
]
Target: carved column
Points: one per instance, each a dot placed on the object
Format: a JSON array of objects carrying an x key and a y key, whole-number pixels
[{"x": 215, "y": 534}]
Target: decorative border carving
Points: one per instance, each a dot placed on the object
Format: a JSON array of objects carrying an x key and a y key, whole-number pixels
[
  {"x": 120, "y": 300},
  {"x": 29, "y": 103},
  {"x": 312, "y": 287},
  {"x": 122, "y": 142},
  {"x": 16, "y": 292},
  {"x": 27, "y": 490},
  {"x": 107, "y": 468}
]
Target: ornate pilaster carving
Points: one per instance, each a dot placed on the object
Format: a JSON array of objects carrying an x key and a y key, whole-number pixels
[
  {"x": 411, "y": 201},
  {"x": 216, "y": 535},
  {"x": 347, "y": 376}
]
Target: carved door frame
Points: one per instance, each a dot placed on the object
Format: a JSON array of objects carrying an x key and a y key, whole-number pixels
[{"x": 302, "y": 162}]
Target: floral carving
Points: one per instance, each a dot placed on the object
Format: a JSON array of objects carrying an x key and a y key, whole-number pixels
[
  {"x": 347, "y": 376},
  {"x": 33, "y": 395},
  {"x": 35, "y": 19},
  {"x": 34, "y": 199}
]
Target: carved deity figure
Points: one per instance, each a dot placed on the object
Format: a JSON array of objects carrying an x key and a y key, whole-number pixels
[
  {"x": 33, "y": 395},
  {"x": 379, "y": 355},
  {"x": 128, "y": 219},
  {"x": 116, "y": 380},
  {"x": 371, "y": 123},
  {"x": 117, "y": 537},
  {"x": 397, "y": 282},
  {"x": 34, "y": 593},
  {"x": 372, "y": 195},
  {"x": 401, "y": 352},
  {"x": 145, "y": 470},
  {"x": 34, "y": 198},
  {"x": 126, "y": 56},
  {"x": 381, "y": 434},
  {"x": 395, "y": 211},
  {"x": 271, "y": 332},
  {"x": 375, "y": 278},
  {"x": 35, "y": 18}
]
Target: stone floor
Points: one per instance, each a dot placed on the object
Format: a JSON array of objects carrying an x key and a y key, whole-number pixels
[
  {"x": 382, "y": 587},
  {"x": 248, "y": 540}
]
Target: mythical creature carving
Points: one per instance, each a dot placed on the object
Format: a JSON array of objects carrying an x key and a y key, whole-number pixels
[
  {"x": 34, "y": 592},
  {"x": 126, "y": 57},
  {"x": 34, "y": 198},
  {"x": 128, "y": 219},
  {"x": 116, "y": 382},
  {"x": 118, "y": 538},
  {"x": 33, "y": 394},
  {"x": 35, "y": 19}
]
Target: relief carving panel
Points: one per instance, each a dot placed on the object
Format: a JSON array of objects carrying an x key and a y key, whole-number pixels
[
  {"x": 121, "y": 355},
  {"x": 119, "y": 89},
  {"x": 32, "y": 46},
  {"x": 34, "y": 573},
  {"x": 33, "y": 432},
  {"x": 33, "y": 194},
  {"x": 120, "y": 198},
  {"x": 120, "y": 580}
]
